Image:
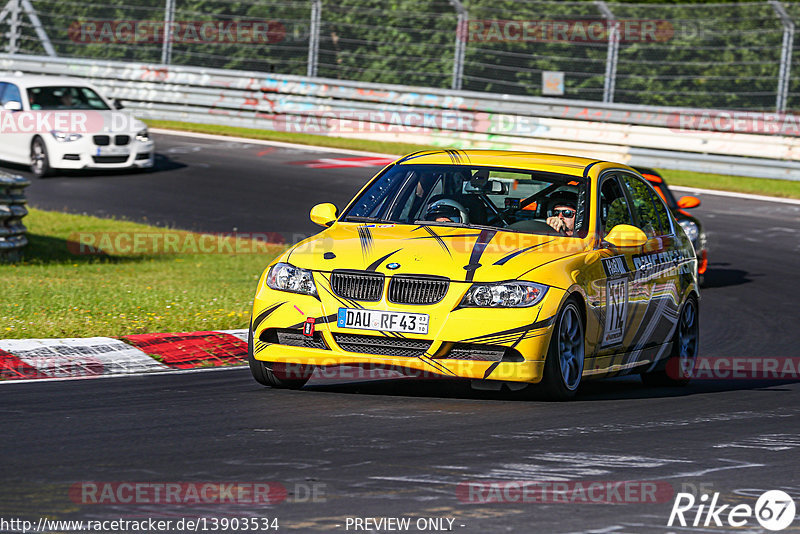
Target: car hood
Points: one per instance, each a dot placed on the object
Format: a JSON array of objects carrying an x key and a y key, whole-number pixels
[{"x": 466, "y": 254}]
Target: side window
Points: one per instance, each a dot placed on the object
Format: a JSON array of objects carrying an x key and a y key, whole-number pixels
[
  {"x": 613, "y": 206},
  {"x": 644, "y": 208},
  {"x": 664, "y": 227},
  {"x": 10, "y": 94}
]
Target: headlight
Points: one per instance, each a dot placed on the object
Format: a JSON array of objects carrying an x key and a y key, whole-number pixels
[
  {"x": 690, "y": 228},
  {"x": 65, "y": 137},
  {"x": 504, "y": 295},
  {"x": 143, "y": 136},
  {"x": 285, "y": 277}
]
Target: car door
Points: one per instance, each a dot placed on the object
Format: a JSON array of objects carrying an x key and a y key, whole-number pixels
[
  {"x": 658, "y": 265},
  {"x": 621, "y": 295}
]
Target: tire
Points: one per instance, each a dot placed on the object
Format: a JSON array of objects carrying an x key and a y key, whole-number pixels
[
  {"x": 563, "y": 365},
  {"x": 677, "y": 370},
  {"x": 40, "y": 162},
  {"x": 264, "y": 372}
]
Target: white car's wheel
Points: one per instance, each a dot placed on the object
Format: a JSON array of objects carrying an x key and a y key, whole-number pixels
[{"x": 40, "y": 163}]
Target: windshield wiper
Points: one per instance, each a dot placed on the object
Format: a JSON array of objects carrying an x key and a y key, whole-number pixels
[{"x": 359, "y": 218}]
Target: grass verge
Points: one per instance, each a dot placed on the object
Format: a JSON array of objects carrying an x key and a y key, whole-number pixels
[
  {"x": 197, "y": 284},
  {"x": 739, "y": 184}
]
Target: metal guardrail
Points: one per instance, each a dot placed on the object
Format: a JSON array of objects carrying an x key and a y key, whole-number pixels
[
  {"x": 12, "y": 210},
  {"x": 638, "y": 135}
]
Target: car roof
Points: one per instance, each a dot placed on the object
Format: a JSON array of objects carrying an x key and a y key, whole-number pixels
[
  {"x": 35, "y": 80},
  {"x": 514, "y": 159}
]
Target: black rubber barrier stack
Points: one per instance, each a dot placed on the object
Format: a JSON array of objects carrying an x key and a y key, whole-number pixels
[{"x": 12, "y": 210}]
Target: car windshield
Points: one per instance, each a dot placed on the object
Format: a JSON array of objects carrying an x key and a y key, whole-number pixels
[
  {"x": 65, "y": 97},
  {"x": 462, "y": 195}
]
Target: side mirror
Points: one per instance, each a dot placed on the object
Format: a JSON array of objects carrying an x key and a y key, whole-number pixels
[
  {"x": 688, "y": 203},
  {"x": 324, "y": 214},
  {"x": 117, "y": 104},
  {"x": 625, "y": 235},
  {"x": 13, "y": 105}
]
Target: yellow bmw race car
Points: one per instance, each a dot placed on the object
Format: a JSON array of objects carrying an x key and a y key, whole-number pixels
[{"x": 488, "y": 265}]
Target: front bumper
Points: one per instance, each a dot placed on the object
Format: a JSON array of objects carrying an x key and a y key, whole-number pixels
[
  {"x": 83, "y": 154},
  {"x": 476, "y": 343}
]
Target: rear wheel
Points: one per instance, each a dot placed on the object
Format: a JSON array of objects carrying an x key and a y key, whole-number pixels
[
  {"x": 679, "y": 365},
  {"x": 40, "y": 163},
  {"x": 563, "y": 366},
  {"x": 276, "y": 375}
]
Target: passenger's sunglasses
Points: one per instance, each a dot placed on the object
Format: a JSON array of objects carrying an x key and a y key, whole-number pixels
[{"x": 567, "y": 213}]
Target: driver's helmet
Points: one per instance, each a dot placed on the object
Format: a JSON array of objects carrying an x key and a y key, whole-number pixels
[{"x": 447, "y": 208}]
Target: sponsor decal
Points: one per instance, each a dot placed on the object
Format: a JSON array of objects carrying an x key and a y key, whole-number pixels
[
  {"x": 615, "y": 266},
  {"x": 308, "y": 327},
  {"x": 616, "y": 311},
  {"x": 662, "y": 264}
]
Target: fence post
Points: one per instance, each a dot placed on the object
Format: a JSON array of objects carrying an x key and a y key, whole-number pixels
[
  {"x": 313, "y": 38},
  {"x": 13, "y": 26},
  {"x": 786, "y": 56},
  {"x": 38, "y": 28},
  {"x": 613, "y": 52},
  {"x": 166, "y": 46},
  {"x": 460, "y": 45}
]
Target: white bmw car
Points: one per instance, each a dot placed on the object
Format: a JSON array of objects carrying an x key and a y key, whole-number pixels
[{"x": 53, "y": 123}]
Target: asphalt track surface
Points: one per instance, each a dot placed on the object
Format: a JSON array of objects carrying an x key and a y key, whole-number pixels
[{"x": 401, "y": 448}]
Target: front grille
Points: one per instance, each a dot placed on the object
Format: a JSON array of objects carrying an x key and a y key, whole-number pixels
[
  {"x": 102, "y": 140},
  {"x": 390, "y": 346},
  {"x": 293, "y": 338},
  {"x": 110, "y": 159},
  {"x": 122, "y": 140},
  {"x": 404, "y": 289},
  {"x": 357, "y": 285},
  {"x": 482, "y": 353}
]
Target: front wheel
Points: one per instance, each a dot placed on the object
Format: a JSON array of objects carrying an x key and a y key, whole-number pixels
[
  {"x": 40, "y": 163},
  {"x": 680, "y": 363},
  {"x": 563, "y": 366},
  {"x": 276, "y": 375}
]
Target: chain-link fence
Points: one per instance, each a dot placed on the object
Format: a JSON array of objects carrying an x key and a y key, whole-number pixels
[{"x": 729, "y": 56}]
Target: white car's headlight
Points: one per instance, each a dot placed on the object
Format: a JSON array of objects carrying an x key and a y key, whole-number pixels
[
  {"x": 690, "y": 228},
  {"x": 504, "y": 295},
  {"x": 65, "y": 137},
  {"x": 143, "y": 136},
  {"x": 285, "y": 277}
]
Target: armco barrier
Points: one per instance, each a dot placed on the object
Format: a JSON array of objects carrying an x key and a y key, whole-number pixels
[
  {"x": 12, "y": 210},
  {"x": 637, "y": 135}
]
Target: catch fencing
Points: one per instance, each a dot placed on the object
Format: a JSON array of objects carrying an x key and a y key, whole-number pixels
[
  {"x": 12, "y": 210},
  {"x": 723, "y": 56},
  {"x": 759, "y": 145}
]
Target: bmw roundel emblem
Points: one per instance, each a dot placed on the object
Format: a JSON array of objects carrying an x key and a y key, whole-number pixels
[{"x": 393, "y": 266}]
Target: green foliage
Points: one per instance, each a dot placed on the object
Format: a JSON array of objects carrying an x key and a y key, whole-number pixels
[{"x": 705, "y": 55}]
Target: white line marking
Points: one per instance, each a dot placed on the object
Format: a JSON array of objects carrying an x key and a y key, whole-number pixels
[
  {"x": 745, "y": 196},
  {"x": 310, "y": 148}
]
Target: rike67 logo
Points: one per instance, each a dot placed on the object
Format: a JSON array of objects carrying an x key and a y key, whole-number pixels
[{"x": 774, "y": 510}]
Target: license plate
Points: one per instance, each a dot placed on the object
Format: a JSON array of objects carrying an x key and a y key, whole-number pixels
[
  {"x": 112, "y": 151},
  {"x": 411, "y": 323}
]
